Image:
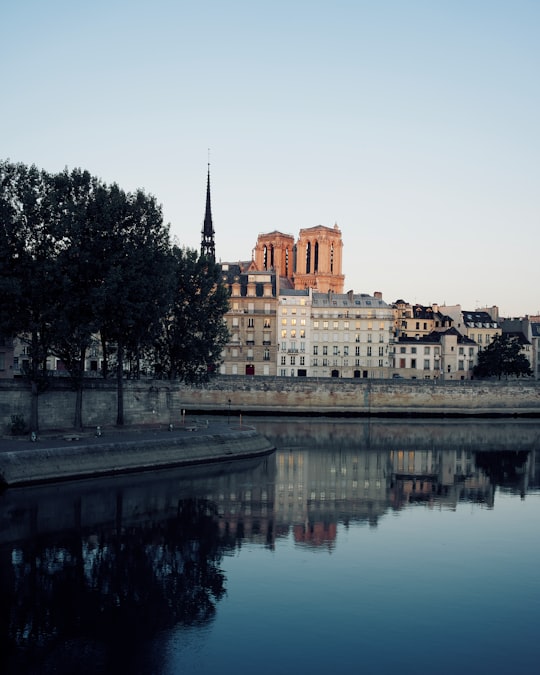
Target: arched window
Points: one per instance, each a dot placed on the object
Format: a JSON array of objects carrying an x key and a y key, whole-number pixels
[
  {"x": 332, "y": 258},
  {"x": 316, "y": 258},
  {"x": 265, "y": 258},
  {"x": 308, "y": 258}
]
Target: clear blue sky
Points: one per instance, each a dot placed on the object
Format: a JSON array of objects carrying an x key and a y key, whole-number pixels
[{"x": 412, "y": 124}]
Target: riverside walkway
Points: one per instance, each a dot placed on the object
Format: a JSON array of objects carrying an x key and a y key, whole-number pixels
[{"x": 62, "y": 455}]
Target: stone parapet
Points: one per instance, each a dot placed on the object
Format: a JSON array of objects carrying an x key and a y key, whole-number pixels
[{"x": 150, "y": 402}]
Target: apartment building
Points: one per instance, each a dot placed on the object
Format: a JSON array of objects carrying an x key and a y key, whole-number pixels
[
  {"x": 350, "y": 335},
  {"x": 294, "y": 332},
  {"x": 479, "y": 325},
  {"x": 417, "y": 320},
  {"x": 251, "y": 320},
  {"x": 445, "y": 355}
]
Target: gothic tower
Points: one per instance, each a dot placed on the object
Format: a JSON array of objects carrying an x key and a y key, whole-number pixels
[
  {"x": 208, "y": 247},
  {"x": 318, "y": 259}
]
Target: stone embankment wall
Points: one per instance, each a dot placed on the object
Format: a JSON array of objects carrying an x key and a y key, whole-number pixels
[{"x": 162, "y": 402}]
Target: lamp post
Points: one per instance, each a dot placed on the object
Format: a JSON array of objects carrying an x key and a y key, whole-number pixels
[{"x": 229, "y": 413}]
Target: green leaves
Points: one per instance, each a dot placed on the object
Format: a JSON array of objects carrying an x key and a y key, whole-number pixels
[{"x": 502, "y": 357}]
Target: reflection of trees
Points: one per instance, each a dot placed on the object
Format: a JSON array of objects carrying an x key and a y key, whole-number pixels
[
  {"x": 114, "y": 587},
  {"x": 504, "y": 468}
]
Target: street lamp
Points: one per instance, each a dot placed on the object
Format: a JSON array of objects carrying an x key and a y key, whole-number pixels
[{"x": 229, "y": 414}]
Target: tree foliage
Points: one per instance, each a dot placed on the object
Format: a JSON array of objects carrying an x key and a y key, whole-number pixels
[
  {"x": 80, "y": 258},
  {"x": 502, "y": 357},
  {"x": 28, "y": 248},
  {"x": 193, "y": 333}
]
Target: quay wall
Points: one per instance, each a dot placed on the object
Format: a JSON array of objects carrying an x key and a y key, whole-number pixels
[{"x": 148, "y": 402}]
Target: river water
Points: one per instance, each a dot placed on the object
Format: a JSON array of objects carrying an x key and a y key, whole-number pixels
[{"x": 357, "y": 547}]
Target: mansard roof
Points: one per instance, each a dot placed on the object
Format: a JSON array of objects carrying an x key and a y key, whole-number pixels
[
  {"x": 436, "y": 336},
  {"x": 347, "y": 300},
  {"x": 234, "y": 273},
  {"x": 519, "y": 336},
  {"x": 478, "y": 320}
]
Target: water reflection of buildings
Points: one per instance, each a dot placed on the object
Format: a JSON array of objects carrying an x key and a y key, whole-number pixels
[{"x": 316, "y": 489}]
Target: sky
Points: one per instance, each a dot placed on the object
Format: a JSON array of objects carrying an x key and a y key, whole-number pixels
[{"x": 412, "y": 124}]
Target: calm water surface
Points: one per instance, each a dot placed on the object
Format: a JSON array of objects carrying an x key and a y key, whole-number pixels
[{"x": 356, "y": 548}]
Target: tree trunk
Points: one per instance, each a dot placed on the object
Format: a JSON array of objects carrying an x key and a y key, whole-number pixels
[
  {"x": 34, "y": 382},
  {"x": 120, "y": 386},
  {"x": 34, "y": 398},
  {"x": 79, "y": 385}
]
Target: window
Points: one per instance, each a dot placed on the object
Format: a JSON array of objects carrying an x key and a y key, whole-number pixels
[
  {"x": 315, "y": 349},
  {"x": 369, "y": 337},
  {"x": 413, "y": 350},
  {"x": 325, "y": 350},
  {"x": 426, "y": 364},
  {"x": 293, "y": 333},
  {"x": 315, "y": 362},
  {"x": 235, "y": 322},
  {"x": 315, "y": 325},
  {"x": 335, "y": 350},
  {"x": 346, "y": 325},
  {"x": 402, "y": 350},
  {"x": 346, "y": 350},
  {"x": 325, "y": 325},
  {"x": 283, "y": 360},
  {"x": 250, "y": 322},
  {"x": 413, "y": 363},
  {"x": 284, "y": 310},
  {"x": 369, "y": 351},
  {"x": 381, "y": 351},
  {"x": 293, "y": 360},
  {"x": 335, "y": 325},
  {"x": 283, "y": 322},
  {"x": 357, "y": 351},
  {"x": 302, "y": 333},
  {"x": 266, "y": 356},
  {"x": 283, "y": 333},
  {"x": 293, "y": 322},
  {"x": 302, "y": 360},
  {"x": 426, "y": 350},
  {"x": 357, "y": 337},
  {"x": 461, "y": 365}
]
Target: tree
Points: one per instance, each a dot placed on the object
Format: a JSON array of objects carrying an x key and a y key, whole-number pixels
[
  {"x": 79, "y": 271},
  {"x": 135, "y": 285},
  {"x": 28, "y": 250},
  {"x": 193, "y": 332},
  {"x": 502, "y": 356}
]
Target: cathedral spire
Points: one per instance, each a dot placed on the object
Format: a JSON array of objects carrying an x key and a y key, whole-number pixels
[{"x": 208, "y": 247}]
